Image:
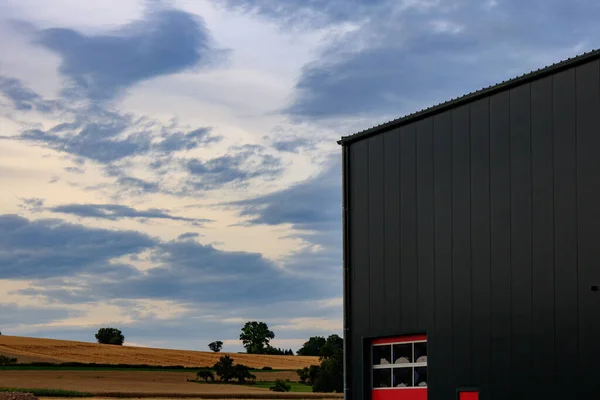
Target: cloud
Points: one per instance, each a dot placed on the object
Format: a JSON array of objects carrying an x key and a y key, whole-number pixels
[
  {"x": 74, "y": 264},
  {"x": 314, "y": 204},
  {"x": 188, "y": 235},
  {"x": 102, "y": 66},
  {"x": 116, "y": 211},
  {"x": 14, "y": 315},
  {"x": 186, "y": 141},
  {"x": 50, "y": 248},
  {"x": 244, "y": 163},
  {"x": 309, "y": 13},
  {"x": 404, "y": 56},
  {"x": 23, "y": 98},
  {"x": 313, "y": 209},
  {"x": 105, "y": 136},
  {"x": 292, "y": 145},
  {"x": 33, "y": 204}
]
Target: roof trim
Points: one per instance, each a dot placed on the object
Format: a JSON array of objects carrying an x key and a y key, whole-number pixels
[{"x": 470, "y": 97}]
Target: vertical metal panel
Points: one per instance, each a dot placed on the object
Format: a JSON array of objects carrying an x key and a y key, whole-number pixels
[
  {"x": 461, "y": 246},
  {"x": 425, "y": 247},
  {"x": 393, "y": 304},
  {"x": 347, "y": 358},
  {"x": 588, "y": 197},
  {"x": 376, "y": 228},
  {"x": 441, "y": 348},
  {"x": 520, "y": 175},
  {"x": 565, "y": 231},
  {"x": 500, "y": 244},
  {"x": 359, "y": 253},
  {"x": 542, "y": 175},
  {"x": 408, "y": 226},
  {"x": 480, "y": 241}
]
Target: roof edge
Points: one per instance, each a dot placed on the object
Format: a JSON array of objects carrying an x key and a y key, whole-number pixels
[{"x": 470, "y": 97}]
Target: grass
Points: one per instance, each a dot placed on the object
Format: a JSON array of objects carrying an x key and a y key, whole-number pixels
[
  {"x": 296, "y": 386},
  {"x": 67, "y": 368},
  {"x": 48, "y": 392}
]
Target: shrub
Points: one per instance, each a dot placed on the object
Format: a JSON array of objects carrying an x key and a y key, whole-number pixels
[
  {"x": 281, "y": 386},
  {"x": 267, "y": 368},
  {"x": 205, "y": 374},
  {"x": 4, "y": 360}
]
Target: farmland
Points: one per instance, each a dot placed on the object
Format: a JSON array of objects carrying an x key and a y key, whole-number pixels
[
  {"x": 133, "y": 382},
  {"x": 50, "y": 350}
]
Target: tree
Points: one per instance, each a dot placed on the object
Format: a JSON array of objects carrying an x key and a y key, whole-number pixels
[
  {"x": 242, "y": 373},
  {"x": 255, "y": 337},
  {"x": 308, "y": 375},
  {"x": 216, "y": 346},
  {"x": 330, "y": 376},
  {"x": 312, "y": 347},
  {"x": 110, "y": 336},
  {"x": 224, "y": 368},
  {"x": 205, "y": 374}
]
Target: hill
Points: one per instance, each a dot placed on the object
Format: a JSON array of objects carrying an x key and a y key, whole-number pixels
[{"x": 27, "y": 349}]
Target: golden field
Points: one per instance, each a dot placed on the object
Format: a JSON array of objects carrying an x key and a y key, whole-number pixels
[{"x": 27, "y": 349}]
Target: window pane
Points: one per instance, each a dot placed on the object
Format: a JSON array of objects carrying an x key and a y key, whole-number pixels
[
  {"x": 382, "y": 354},
  {"x": 421, "y": 352},
  {"x": 403, "y": 377},
  {"x": 382, "y": 378},
  {"x": 421, "y": 376},
  {"x": 402, "y": 353}
]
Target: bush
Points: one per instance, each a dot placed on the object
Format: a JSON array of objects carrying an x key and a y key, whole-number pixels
[
  {"x": 205, "y": 374},
  {"x": 4, "y": 360},
  {"x": 281, "y": 386},
  {"x": 267, "y": 368}
]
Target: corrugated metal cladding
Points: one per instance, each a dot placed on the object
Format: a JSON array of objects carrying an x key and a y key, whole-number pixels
[{"x": 480, "y": 226}]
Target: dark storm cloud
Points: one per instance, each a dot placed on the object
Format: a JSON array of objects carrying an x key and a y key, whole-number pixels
[
  {"x": 116, "y": 211},
  {"x": 101, "y": 66},
  {"x": 49, "y": 248}
]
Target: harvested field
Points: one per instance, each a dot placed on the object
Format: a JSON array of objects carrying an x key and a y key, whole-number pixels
[
  {"x": 34, "y": 349},
  {"x": 118, "y": 382}
]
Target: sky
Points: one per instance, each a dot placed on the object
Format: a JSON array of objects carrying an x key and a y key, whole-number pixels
[{"x": 170, "y": 168}]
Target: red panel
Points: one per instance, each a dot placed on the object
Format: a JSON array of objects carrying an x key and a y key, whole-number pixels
[
  {"x": 399, "y": 394},
  {"x": 468, "y": 396},
  {"x": 399, "y": 339}
]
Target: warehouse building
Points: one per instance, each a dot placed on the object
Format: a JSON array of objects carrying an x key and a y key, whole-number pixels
[{"x": 472, "y": 245}]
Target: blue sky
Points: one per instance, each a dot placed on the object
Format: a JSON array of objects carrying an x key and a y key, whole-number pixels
[{"x": 172, "y": 165}]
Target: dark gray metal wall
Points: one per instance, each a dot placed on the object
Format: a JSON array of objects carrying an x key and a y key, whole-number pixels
[{"x": 480, "y": 225}]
